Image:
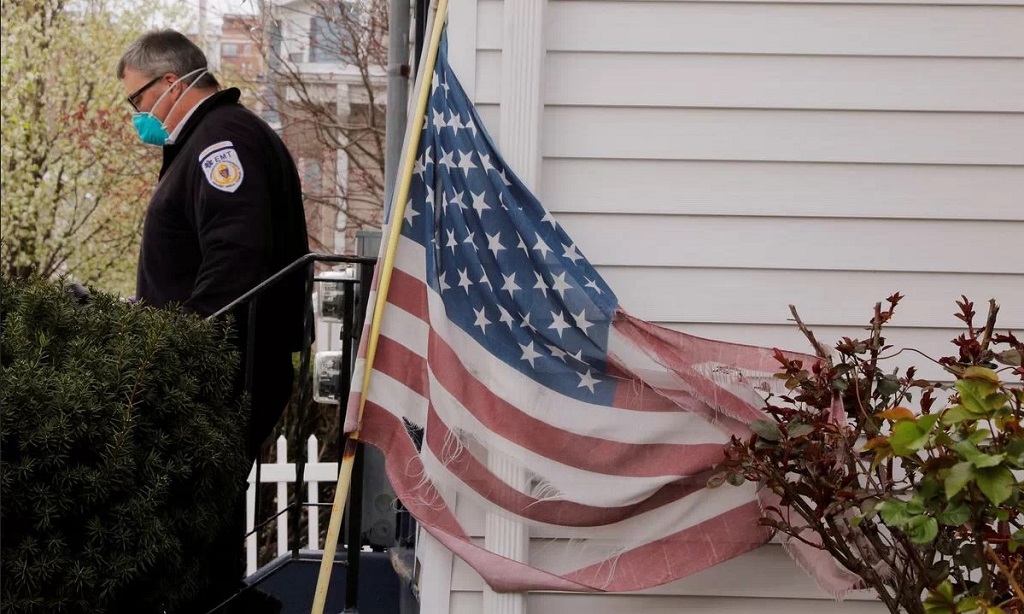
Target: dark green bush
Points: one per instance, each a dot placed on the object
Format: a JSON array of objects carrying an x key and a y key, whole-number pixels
[{"x": 122, "y": 451}]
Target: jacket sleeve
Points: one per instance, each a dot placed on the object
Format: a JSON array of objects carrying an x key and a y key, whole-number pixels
[{"x": 231, "y": 209}]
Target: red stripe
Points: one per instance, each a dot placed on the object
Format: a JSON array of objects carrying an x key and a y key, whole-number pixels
[
  {"x": 680, "y": 554},
  {"x": 473, "y": 473},
  {"x": 402, "y": 364},
  {"x": 677, "y": 352},
  {"x": 409, "y": 294}
]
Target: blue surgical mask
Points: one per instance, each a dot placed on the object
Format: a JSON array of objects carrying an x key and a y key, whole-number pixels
[{"x": 151, "y": 130}]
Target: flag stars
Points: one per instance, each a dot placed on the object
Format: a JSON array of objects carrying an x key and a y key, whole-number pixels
[
  {"x": 505, "y": 317},
  {"x": 581, "y": 320},
  {"x": 494, "y": 243},
  {"x": 571, "y": 253},
  {"x": 504, "y": 179},
  {"x": 452, "y": 243},
  {"x": 447, "y": 159},
  {"x": 510, "y": 284},
  {"x": 558, "y": 284},
  {"x": 480, "y": 202},
  {"x": 593, "y": 285},
  {"x": 557, "y": 352},
  {"x": 442, "y": 283},
  {"x": 410, "y": 212},
  {"x": 559, "y": 324},
  {"x": 587, "y": 380},
  {"x": 481, "y": 319},
  {"x": 469, "y": 239},
  {"x": 526, "y": 322},
  {"x": 541, "y": 247},
  {"x": 541, "y": 284},
  {"x": 438, "y": 122},
  {"x": 464, "y": 281},
  {"x": 466, "y": 162},
  {"x": 471, "y": 126},
  {"x": 550, "y": 219},
  {"x": 485, "y": 162},
  {"x": 455, "y": 123},
  {"x": 459, "y": 200},
  {"x": 484, "y": 280},
  {"x": 530, "y": 353}
]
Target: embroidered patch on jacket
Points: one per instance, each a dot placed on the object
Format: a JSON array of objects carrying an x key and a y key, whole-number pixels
[{"x": 222, "y": 167}]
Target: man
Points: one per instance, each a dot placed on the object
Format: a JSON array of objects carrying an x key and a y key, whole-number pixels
[{"x": 225, "y": 215}]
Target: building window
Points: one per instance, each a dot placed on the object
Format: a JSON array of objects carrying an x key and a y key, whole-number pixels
[
  {"x": 312, "y": 176},
  {"x": 329, "y": 37},
  {"x": 229, "y": 50}
]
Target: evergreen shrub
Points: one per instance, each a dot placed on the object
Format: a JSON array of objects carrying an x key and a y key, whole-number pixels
[{"x": 122, "y": 451}]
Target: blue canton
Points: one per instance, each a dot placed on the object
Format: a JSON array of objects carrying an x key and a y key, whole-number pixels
[{"x": 507, "y": 272}]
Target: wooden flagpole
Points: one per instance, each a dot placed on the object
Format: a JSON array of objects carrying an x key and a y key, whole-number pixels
[{"x": 414, "y": 129}]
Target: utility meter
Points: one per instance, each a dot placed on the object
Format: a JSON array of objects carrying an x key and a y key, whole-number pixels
[
  {"x": 333, "y": 286},
  {"x": 327, "y": 377}
]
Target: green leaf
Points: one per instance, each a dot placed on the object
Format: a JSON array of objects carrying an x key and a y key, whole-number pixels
[
  {"x": 957, "y": 414},
  {"x": 955, "y": 515},
  {"x": 907, "y": 437},
  {"x": 894, "y": 513},
  {"x": 979, "y": 436},
  {"x": 766, "y": 430},
  {"x": 922, "y": 529},
  {"x": 940, "y": 600},
  {"x": 981, "y": 374},
  {"x": 958, "y": 477},
  {"x": 927, "y": 421},
  {"x": 996, "y": 483},
  {"x": 1015, "y": 452},
  {"x": 799, "y": 429},
  {"x": 979, "y": 459},
  {"x": 973, "y": 393}
]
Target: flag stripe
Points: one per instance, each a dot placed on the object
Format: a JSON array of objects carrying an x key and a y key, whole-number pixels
[
  {"x": 582, "y": 451},
  {"x": 623, "y": 531},
  {"x": 475, "y": 474},
  {"x": 690, "y": 550}
]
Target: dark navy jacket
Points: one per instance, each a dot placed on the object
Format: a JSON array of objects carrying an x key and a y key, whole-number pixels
[{"x": 226, "y": 214}]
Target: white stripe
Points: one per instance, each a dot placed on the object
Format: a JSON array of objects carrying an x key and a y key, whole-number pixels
[{"x": 398, "y": 399}]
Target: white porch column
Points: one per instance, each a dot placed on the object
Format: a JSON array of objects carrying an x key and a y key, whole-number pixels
[{"x": 522, "y": 63}]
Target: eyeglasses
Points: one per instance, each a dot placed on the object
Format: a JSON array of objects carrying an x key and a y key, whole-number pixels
[{"x": 134, "y": 98}]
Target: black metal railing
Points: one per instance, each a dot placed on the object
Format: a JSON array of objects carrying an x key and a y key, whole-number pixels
[{"x": 353, "y": 310}]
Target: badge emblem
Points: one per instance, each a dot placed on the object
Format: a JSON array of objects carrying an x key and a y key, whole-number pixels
[{"x": 222, "y": 167}]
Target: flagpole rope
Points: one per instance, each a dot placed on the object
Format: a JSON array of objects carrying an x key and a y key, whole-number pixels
[{"x": 384, "y": 282}]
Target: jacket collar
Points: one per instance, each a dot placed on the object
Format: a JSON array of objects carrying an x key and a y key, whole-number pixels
[{"x": 224, "y": 97}]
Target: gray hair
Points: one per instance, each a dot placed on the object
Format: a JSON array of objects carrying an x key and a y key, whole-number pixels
[{"x": 165, "y": 51}]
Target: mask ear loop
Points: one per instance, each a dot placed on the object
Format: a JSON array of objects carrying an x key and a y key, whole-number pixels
[{"x": 201, "y": 71}]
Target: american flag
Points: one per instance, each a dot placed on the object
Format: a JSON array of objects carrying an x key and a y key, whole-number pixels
[{"x": 504, "y": 344}]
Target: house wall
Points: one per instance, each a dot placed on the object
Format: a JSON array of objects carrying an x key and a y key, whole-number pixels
[{"x": 720, "y": 160}]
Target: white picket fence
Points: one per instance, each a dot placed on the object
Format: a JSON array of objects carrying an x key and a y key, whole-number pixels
[{"x": 282, "y": 473}]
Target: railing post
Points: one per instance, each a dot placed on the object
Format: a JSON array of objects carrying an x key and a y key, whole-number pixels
[
  {"x": 251, "y": 547},
  {"x": 282, "y": 497},
  {"x": 313, "y": 511},
  {"x": 302, "y": 405}
]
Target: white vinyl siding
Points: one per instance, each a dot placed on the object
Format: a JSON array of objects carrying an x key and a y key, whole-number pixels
[{"x": 720, "y": 160}]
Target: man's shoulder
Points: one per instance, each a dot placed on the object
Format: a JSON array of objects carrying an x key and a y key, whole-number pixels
[{"x": 233, "y": 120}]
